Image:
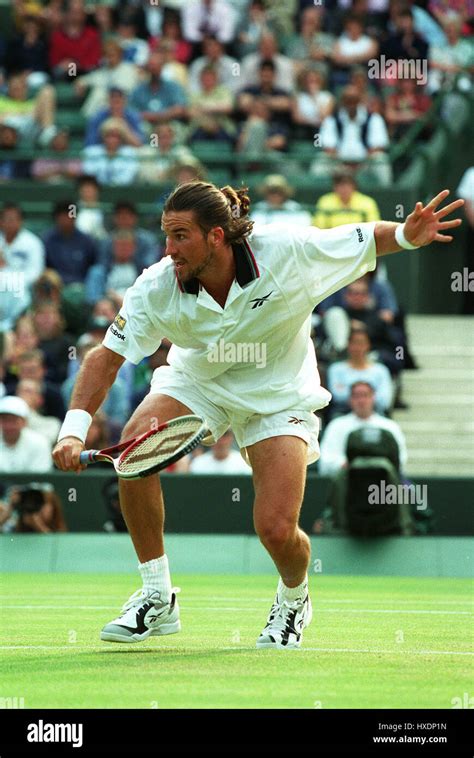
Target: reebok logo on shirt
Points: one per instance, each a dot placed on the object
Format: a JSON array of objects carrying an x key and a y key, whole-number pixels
[
  {"x": 117, "y": 333},
  {"x": 360, "y": 236},
  {"x": 259, "y": 301}
]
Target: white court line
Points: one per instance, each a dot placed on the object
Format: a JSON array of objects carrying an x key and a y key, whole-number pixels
[
  {"x": 232, "y": 609},
  {"x": 245, "y": 649},
  {"x": 319, "y": 601}
]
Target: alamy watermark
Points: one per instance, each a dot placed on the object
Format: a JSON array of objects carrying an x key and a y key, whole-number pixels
[
  {"x": 237, "y": 352},
  {"x": 12, "y": 281},
  {"x": 402, "y": 68},
  {"x": 399, "y": 494}
]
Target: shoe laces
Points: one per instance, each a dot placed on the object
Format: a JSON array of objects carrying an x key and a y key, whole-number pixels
[
  {"x": 140, "y": 596},
  {"x": 282, "y": 608}
]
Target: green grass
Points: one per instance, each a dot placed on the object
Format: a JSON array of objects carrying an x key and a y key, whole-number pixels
[{"x": 375, "y": 642}]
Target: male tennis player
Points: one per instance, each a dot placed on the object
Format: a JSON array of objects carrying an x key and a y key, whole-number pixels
[{"x": 224, "y": 282}]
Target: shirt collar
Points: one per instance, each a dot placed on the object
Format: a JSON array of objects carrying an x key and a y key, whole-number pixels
[{"x": 246, "y": 269}]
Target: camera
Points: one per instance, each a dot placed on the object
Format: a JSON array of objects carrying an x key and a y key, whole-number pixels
[{"x": 30, "y": 498}]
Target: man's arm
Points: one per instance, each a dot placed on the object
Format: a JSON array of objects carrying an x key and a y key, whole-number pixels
[{"x": 423, "y": 226}]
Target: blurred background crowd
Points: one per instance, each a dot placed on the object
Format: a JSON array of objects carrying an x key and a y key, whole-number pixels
[{"x": 108, "y": 97}]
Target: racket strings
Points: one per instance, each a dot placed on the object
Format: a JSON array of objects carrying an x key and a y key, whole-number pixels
[{"x": 158, "y": 447}]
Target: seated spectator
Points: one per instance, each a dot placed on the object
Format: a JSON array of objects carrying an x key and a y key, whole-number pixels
[
  {"x": 115, "y": 405},
  {"x": 54, "y": 342},
  {"x": 74, "y": 48},
  {"x": 201, "y": 17},
  {"x": 27, "y": 50},
  {"x": 135, "y": 49},
  {"x": 60, "y": 167},
  {"x": 120, "y": 265},
  {"x": 452, "y": 61},
  {"x": 214, "y": 55},
  {"x": 23, "y": 450},
  {"x": 47, "y": 289},
  {"x": 352, "y": 137},
  {"x": 24, "y": 338},
  {"x": 173, "y": 71},
  {"x": 312, "y": 103},
  {"x": 37, "y": 509},
  {"x": 369, "y": 95},
  {"x": 404, "y": 107},
  {"x": 171, "y": 33},
  {"x": 404, "y": 42},
  {"x": 277, "y": 206},
  {"x": 114, "y": 162},
  {"x": 117, "y": 109},
  {"x": 12, "y": 168},
  {"x": 31, "y": 365},
  {"x": 68, "y": 251},
  {"x": 189, "y": 170},
  {"x": 252, "y": 28},
  {"x": 210, "y": 110},
  {"x": 268, "y": 51},
  {"x": 90, "y": 216},
  {"x": 311, "y": 44},
  {"x": 30, "y": 391},
  {"x": 334, "y": 441},
  {"x": 105, "y": 308},
  {"x": 351, "y": 48},
  {"x": 115, "y": 73},
  {"x": 222, "y": 459},
  {"x": 158, "y": 99},
  {"x": 126, "y": 219},
  {"x": 33, "y": 116},
  {"x": 157, "y": 163},
  {"x": 278, "y": 102},
  {"x": 358, "y": 367},
  {"x": 345, "y": 205},
  {"x": 22, "y": 255}
]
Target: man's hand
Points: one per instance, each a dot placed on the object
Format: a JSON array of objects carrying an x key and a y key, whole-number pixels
[
  {"x": 424, "y": 224},
  {"x": 66, "y": 454}
]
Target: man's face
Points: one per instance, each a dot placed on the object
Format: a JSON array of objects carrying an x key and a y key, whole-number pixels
[
  {"x": 10, "y": 222},
  {"x": 362, "y": 401},
  {"x": 116, "y": 103},
  {"x": 123, "y": 249},
  {"x": 344, "y": 190},
  {"x": 155, "y": 64},
  {"x": 357, "y": 296},
  {"x": 31, "y": 369},
  {"x": 190, "y": 251},
  {"x": 267, "y": 76},
  {"x": 358, "y": 345},
  {"x": 65, "y": 223},
  {"x": 8, "y": 138},
  {"x": 11, "y": 427},
  {"x": 125, "y": 219}
]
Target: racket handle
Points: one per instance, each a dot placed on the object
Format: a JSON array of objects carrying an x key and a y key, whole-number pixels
[{"x": 87, "y": 456}]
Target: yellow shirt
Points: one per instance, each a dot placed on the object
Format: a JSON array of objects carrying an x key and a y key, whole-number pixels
[{"x": 331, "y": 212}]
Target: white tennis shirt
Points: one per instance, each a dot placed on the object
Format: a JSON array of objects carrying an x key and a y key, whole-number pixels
[{"x": 255, "y": 354}]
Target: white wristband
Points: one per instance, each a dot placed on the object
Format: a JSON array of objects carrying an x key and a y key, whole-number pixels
[
  {"x": 401, "y": 240},
  {"x": 75, "y": 424}
]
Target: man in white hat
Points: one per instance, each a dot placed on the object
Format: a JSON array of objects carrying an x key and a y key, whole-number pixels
[{"x": 21, "y": 450}]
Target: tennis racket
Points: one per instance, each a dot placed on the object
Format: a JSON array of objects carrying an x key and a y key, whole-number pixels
[{"x": 152, "y": 451}]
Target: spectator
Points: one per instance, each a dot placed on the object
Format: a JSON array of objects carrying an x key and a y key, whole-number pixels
[
  {"x": 135, "y": 49},
  {"x": 213, "y": 55},
  {"x": 157, "y": 163},
  {"x": 54, "y": 342},
  {"x": 117, "y": 109},
  {"x": 277, "y": 101},
  {"x": 60, "y": 167},
  {"x": 345, "y": 205},
  {"x": 452, "y": 64},
  {"x": 68, "y": 251},
  {"x": 268, "y": 51},
  {"x": 358, "y": 367},
  {"x": 368, "y": 93},
  {"x": 23, "y": 451},
  {"x": 312, "y": 103},
  {"x": 157, "y": 99},
  {"x": 115, "y": 405},
  {"x": 125, "y": 219},
  {"x": 189, "y": 170},
  {"x": 12, "y": 168},
  {"x": 404, "y": 107},
  {"x": 27, "y": 50},
  {"x": 38, "y": 509},
  {"x": 31, "y": 365},
  {"x": 114, "y": 162},
  {"x": 171, "y": 34},
  {"x": 202, "y": 17},
  {"x": 120, "y": 266},
  {"x": 24, "y": 338},
  {"x": 210, "y": 110},
  {"x": 30, "y": 391},
  {"x": 222, "y": 459},
  {"x": 466, "y": 191},
  {"x": 74, "y": 48},
  {"x": 404, "y": 42},
  {"x": 352, "y": 47},
  {"x": 311, "y": 44},
  {"x": 116, "y": 73},
  {"x": 105, "y": 308},
  {"x": 90, "y": 216},
  {"x": 33, "y": 117},
  {"x": 252, "y": 28},
  {"x": 277, "y": 206},
  {"x": 353, "y": 137},
  {"x": 334, "y": 441},
  {"x": 173, "y": 71},
  {"x": 47, "y": 289}
]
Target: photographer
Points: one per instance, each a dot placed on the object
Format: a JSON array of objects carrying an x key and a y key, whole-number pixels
[{"x": 37, "y": 509}]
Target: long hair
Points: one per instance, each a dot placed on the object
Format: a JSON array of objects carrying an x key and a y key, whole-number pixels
[{"x": 226, "y": 207}]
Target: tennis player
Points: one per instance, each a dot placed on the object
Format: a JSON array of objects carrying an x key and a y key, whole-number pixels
[{"x": 222, "y": 285}]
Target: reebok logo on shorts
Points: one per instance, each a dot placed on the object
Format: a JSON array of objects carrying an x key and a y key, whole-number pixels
[{"x": 294, "y": 420}]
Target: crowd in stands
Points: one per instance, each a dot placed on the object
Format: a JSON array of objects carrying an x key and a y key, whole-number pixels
[{"x": 150, "y": 83}]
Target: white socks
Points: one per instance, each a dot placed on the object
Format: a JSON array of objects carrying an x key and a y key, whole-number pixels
[
  {"x": 156, "y": 577},
  {"x": 292, "y": 593}
]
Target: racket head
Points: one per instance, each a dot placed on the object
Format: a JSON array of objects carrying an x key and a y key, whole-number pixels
[{"x": 158, "y": 448}]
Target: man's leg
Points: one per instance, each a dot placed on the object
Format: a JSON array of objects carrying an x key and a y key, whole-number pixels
[{"x": 279, "y": 473}]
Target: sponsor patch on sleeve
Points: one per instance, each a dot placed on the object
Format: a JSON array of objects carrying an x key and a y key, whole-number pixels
[{"x": 119, "y": 321}]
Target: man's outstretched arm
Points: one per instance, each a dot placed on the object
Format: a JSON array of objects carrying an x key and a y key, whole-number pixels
[{"x": 424, "y": 225}]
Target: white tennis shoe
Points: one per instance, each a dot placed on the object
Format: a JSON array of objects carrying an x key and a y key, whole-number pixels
[
  {"x": 285, "y": 624},
  {"x": 144, "y": 615}
]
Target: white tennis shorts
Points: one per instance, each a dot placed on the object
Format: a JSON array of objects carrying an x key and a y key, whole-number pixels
[{"x": 248, "y": 428}]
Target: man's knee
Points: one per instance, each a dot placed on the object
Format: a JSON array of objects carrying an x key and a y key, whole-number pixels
[{"x": 274, "y": 535}]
